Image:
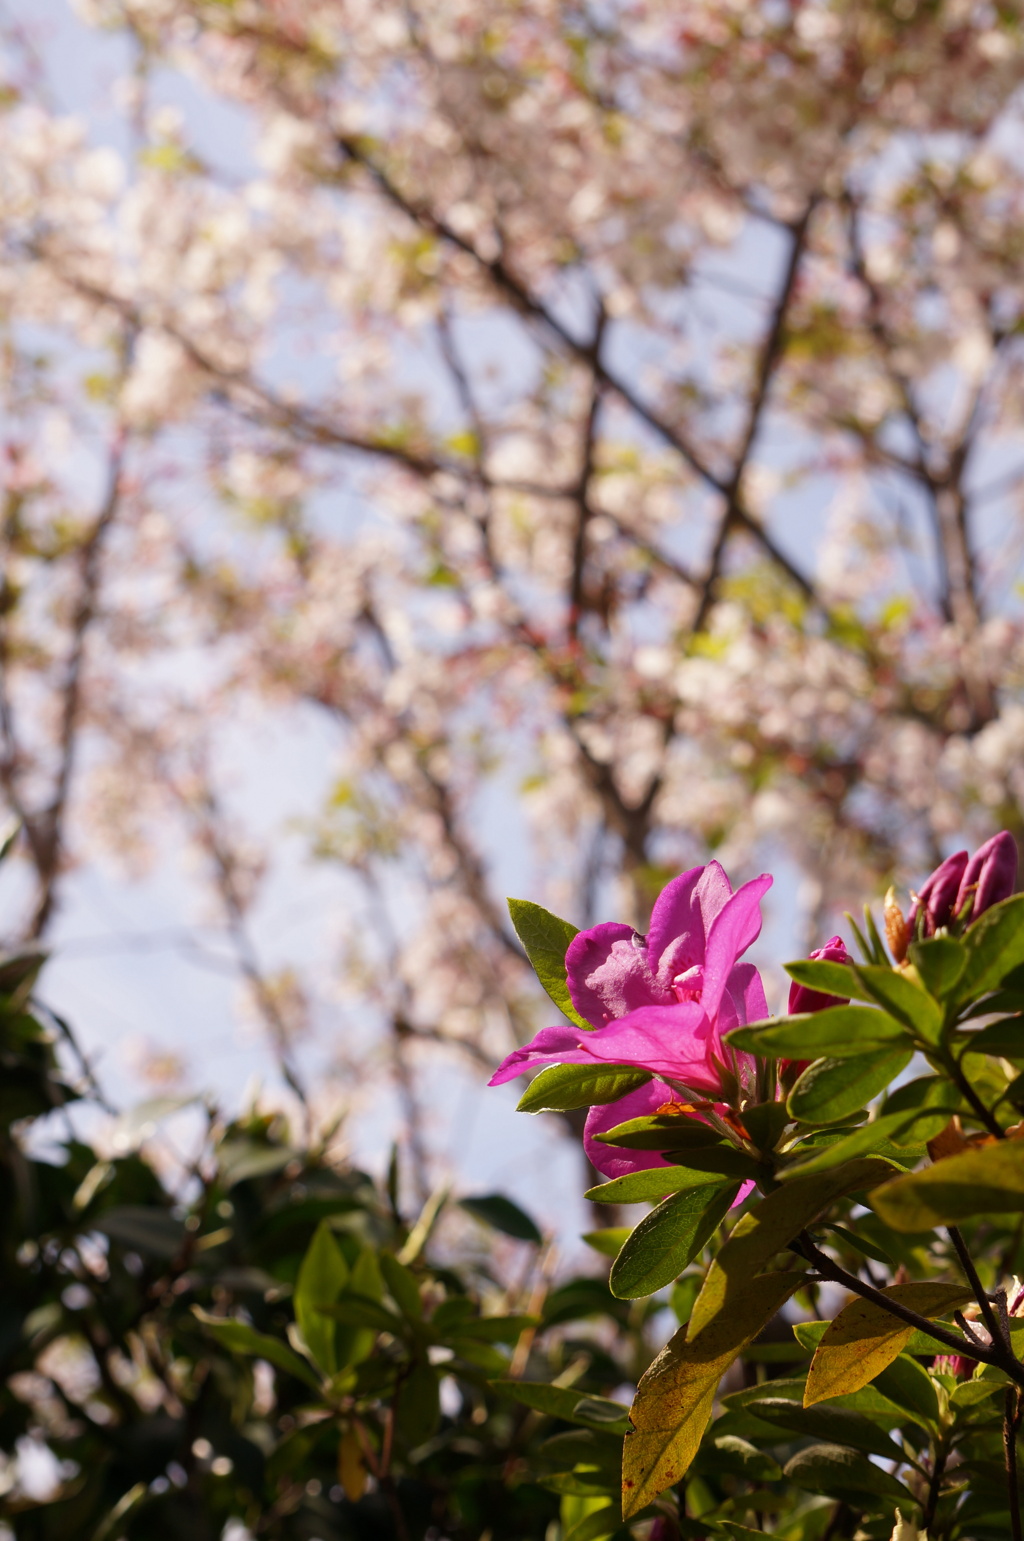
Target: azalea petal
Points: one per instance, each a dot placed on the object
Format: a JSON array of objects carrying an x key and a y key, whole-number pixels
[
  {"x": 746, "y": 991},
  {"x": 639, "y": 1104},
  {"x": 608, "y": 973},
  {"x": 670, "y": 1040},
  {"x": 675, "y": 937},
  {"x": 552, "y": 1045},
  {"x": 736, "y": 926}
]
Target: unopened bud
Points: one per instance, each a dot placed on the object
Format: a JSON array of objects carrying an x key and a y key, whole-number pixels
[
  {"x": 990, "y": 875},
  {"x": 896, "y": 933},
  {"x": 936, "y": 902},
  {"x": 803, "y": 998}
]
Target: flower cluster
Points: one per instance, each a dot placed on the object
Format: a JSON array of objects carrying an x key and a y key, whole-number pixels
[{"x": 663, "y": 1003}]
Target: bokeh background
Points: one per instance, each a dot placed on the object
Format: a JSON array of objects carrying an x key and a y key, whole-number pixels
[{"x": 464, "y": 450}]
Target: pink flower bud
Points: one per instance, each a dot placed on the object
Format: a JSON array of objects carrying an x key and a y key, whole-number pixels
[
  {"x": 937, "y": 900},
  {"x": 991, "y": 873},
  {"x": 802, "y": 998}
]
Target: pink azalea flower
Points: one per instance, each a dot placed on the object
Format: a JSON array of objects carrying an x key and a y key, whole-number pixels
[{"x": 660, "y": 1003}]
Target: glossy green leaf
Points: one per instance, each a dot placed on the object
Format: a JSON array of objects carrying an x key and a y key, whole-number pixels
[
  {"x": 849, "y": 1476},
  {"x": 827, "y": 977},
  {"x": 869, "y": 1139},
  {"x": 725, "y": 1160},
  {"x": 995, "y": 946},
  {"x": 501, "y": 1214},
  {"x": 546, "y": 939},
  {"x": 661, "y": 1131},
  {"x": 668, "y": 1239},
  {"x": 322, "y": 1277},
  {"x": 986, "y": 1181},
  {"x": 567, "y": 1403},
  {"x": 675, "y": 1396},
  {"x": 909, "y": 1386},
  {"x": 728, "y": 1452},
  {"x": 902, "y": 998},
  {"x": 560, "y": 1088},
  {"x": 838, "y": 1425},
  {"x": 769, "y": 1227},
  {"x": 915, "y": 1112},
  {"x": 940, "y": 961},
  {"x": 240, "y": 1338},
  {"x": 656, "y": 1183},
  {"x": 831, "y": 1089},
  {"x": 840, "y": 1031},
  {"x": 864, "y": 1337}
]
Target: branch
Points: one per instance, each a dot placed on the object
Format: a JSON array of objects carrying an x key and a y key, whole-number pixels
[
  {"x": 804, "y": 1247},
  {"x": 771, "y": 352}
]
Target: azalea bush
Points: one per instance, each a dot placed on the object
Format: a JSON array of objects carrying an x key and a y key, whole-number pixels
[{"x": 838, "y": 1204}]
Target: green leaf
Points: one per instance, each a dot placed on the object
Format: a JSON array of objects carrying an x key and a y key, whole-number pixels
[
  {"x": 846, "y": 1475},
  {"x": 675, "y": 1396},
  {"x": 902, "y": 998},
  {"x": 862, "y": 1245},
  {"x": 728, "y": 1452},
  {"x": 597, "y": 1524},
  {"x": 546, "y": 940},
  {"x": 870, "y": 1139},
  {"x": 402, "y": 1287},
  {"x": 668, "y": 1239},
  {"x": 769, "y": 1227},
  {"x": 355, "y": 1341},
  {"x": 609, "y": 1241},
  {"x": 918, "y": 1110},
  {"x": 836, "y": 1424},
  {"x": 560, "y": 1088},
  {"x": 995, "y": 946},
  {"x": 831, "y": 1089},
  {"x": 1003, "y": 1039},
  {"x": 865, "y": 1338},
  {"x": 840, "y": 1031},
  {"x": 240, "y": 1338},
  {"x": 501, "y": 1214},
  {"x": 417, "y": 1404},
  {"x": 322, "y": 1276},
  {"x": 356, "y": 1310},
  {"x": 978, "y": 1182},
  {"x": 567, "y": 1404},
  {"x": 827, "y": 977},
  {"x": 940, "y": 963},
  {"x": 764, "y": 1123},
  {"x": 661, "y": 1131},
  {"x": 910, "y": 1386},
  {"x": 725, "y": 1160},
  {"x": 497, "y": 1329},
  {"x": 654, "y": 1184}
]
